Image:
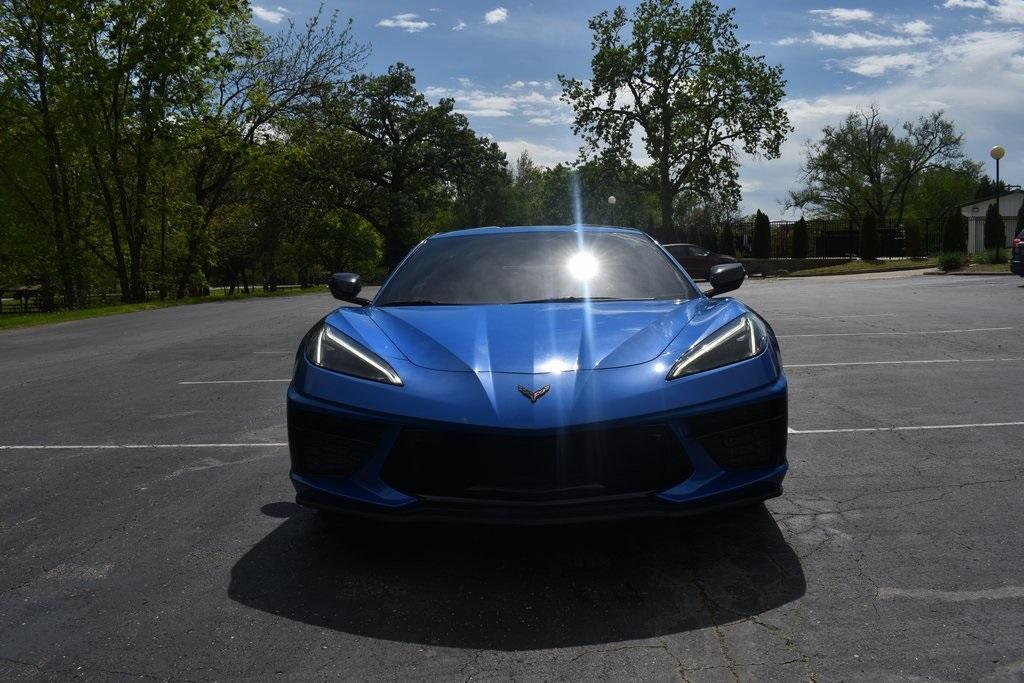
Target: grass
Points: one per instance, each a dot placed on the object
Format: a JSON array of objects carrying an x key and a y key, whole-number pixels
[
  {"x": 853, "y": 267},
  {"x": 10, "y": 321}
]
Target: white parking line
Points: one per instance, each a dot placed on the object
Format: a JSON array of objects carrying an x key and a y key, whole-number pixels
[
  {"x": 889, "y": 334},
  {"x": 975, "y": 425},
  {"x": 237, "y": 381},
  {"x": 905, "y": 362},
  {"x": 138, "y": 446}
]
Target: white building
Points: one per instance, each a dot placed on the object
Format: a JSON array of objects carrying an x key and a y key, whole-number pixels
[{"x": 1009, "y": 205}]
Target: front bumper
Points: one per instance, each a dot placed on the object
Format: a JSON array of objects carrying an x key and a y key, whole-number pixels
[
  {"x": 714, "y": 455},
  {"x": 1017, "y": 263}
]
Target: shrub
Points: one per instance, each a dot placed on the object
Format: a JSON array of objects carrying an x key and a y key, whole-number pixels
[
  {"x": 913, "y": 238},
  {"x": 995, "y": 231},
  {"x": 762, "y": 236},
  {"x": 953, "y": 232},
  {"x": 726, "y": 241},
  {"x": 990, "y": 256},
  {"x": 800, "y": 239},
  {"x": 951, "y": 260},
  {"x": 1020, "y": 220},
  {"x": 869, "y": 240}
]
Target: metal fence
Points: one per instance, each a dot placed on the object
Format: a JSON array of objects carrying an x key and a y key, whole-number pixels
[{"x": 840, "y": 239}]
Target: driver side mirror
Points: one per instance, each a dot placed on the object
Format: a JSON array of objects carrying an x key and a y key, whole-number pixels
[
  {"x": 725, "y": 278},
  {"x": 346, "y": 287}
]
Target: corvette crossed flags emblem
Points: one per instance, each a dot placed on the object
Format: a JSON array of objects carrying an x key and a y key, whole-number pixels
[{"x": 534, "y": 396}]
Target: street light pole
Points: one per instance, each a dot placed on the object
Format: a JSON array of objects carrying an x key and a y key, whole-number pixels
[
  {"x": 611, "y": 203},
  {"x": 998, "y": 153}
]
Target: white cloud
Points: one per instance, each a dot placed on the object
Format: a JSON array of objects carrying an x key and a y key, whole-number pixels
[
  {"x": 1005, "y": 11},
  {"x": 410, "y": 23},
  {"x": 916, "y": 28},
  {"x": 459, "y": 25},
  {"x": 270, "y": 15},
  {"x": 518, "y": 99},
  {"x": 496, "y": 15},
  {"x": 1008, "y": 11},
  {"x": 878, "y": 65},
  {"x": 840, "y": 15},
  {"x": 855, "y": 41},
  {"x": 542, "y": 154},
  {"x": 976, "y": 78}
]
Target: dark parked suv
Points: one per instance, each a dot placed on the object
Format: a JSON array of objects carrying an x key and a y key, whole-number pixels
[
  {"x": 1017, "y": 258},
  {"x": 696, "y": 260}
]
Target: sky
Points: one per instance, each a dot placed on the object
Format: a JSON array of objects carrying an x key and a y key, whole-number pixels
[{"x": 499, "y": 61}]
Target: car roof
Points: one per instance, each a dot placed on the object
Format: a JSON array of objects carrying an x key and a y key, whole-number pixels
[{"x": 494, "y": 230}]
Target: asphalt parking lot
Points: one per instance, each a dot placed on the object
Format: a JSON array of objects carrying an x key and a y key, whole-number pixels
[{"x": 147, "y": 527}]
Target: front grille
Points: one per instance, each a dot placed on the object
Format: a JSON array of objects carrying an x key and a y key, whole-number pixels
[
  {"x": 326, "y": 445},
  {"x": 744, "y": 438},
  {"x": 571, "y": 465}
]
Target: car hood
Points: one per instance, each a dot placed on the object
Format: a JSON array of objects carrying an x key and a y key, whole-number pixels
[{"x": 533, "y": 338}]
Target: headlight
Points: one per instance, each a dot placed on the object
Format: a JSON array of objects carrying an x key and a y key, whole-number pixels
[
  {"x": 743, "y": 338},
  {"x": 331, "y": 349}
]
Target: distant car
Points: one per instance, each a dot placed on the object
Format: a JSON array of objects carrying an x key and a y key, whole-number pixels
[
  {"x": 696, "y": 260},
  {"x": 541, "y": 374},
  {"x": 1017, "y": 259}
]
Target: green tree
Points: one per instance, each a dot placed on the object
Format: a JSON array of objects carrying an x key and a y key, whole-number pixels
[
  {"x": 41, "y": 161},
  {"x": 1020, "y": 220},
  {"x": 800, "y": 239},
  {"x": 953, "y": 232},
  {"x": 863, "y": 165},
  {"x": 762, "y": 238},
  {"x": 257, "y": 85},
  {"x": 995, "y": 229},
  {"x": 869, "y": 238},
  {"x": 678, "y": 75},
  {"x": 404, "y": 157},
  {"x": 726, "y": 241}
]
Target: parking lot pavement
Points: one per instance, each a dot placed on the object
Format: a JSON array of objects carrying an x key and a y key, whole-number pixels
[{"x": 148, "y": 530}]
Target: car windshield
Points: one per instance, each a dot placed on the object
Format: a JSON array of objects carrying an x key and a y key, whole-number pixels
[{"x": 534, "y": 267}]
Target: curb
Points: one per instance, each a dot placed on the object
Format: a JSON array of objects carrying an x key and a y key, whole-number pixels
[{"x": 969, "y": 273}]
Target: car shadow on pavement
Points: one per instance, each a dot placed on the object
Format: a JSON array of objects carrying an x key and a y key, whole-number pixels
[{"x": 519, "y": 588}]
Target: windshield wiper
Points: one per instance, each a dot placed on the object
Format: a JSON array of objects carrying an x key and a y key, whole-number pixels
[{"x": 581, "y": 299}]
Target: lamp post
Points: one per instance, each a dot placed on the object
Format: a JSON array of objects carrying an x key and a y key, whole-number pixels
[
  {"x": 611, "y": 203},
  {"x": 998, "y": 153}
]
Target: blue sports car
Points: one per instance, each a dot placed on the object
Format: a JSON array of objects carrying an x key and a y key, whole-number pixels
[{"x": 534, "y": 375}]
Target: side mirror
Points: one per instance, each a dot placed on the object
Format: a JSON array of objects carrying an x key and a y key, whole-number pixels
[
  {"x": 725, "y": 278},
  {"x": 346, "y": 287}
]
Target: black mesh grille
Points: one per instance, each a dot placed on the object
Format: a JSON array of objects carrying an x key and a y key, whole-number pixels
[
  {"x": 564, "y": 466},
  {"x": 745, "y": 438},
  {"x": 330, "y": 446}
]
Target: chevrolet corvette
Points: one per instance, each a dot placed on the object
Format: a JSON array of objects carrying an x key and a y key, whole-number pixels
[{"x": 538, "y": 375}]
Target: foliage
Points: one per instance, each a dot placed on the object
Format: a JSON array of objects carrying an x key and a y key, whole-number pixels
[
  {"x": 913, "y": 238},
  {"x": 762, "y": 237},
  {"x": 991, "y": 256},
  {"x": 870, "y": 242},
  {"x": 951, "y": 260},
  {"x": 864, "y": 165},
  {"x": 953, "y": 232},
  {"x": 800, "y": 239},
  {"x": 935, "y": 191},
  {"x": 995, "y": 229},
  {"x": 679, "y": 75},
  {"x": 727, "y": 241},
  {"x": 1020, "y": 220}
]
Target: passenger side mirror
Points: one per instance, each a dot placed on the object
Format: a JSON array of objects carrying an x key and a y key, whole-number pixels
[
  {"x": 346, "y": 287},
  {"x": 725, "y": 278}
]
